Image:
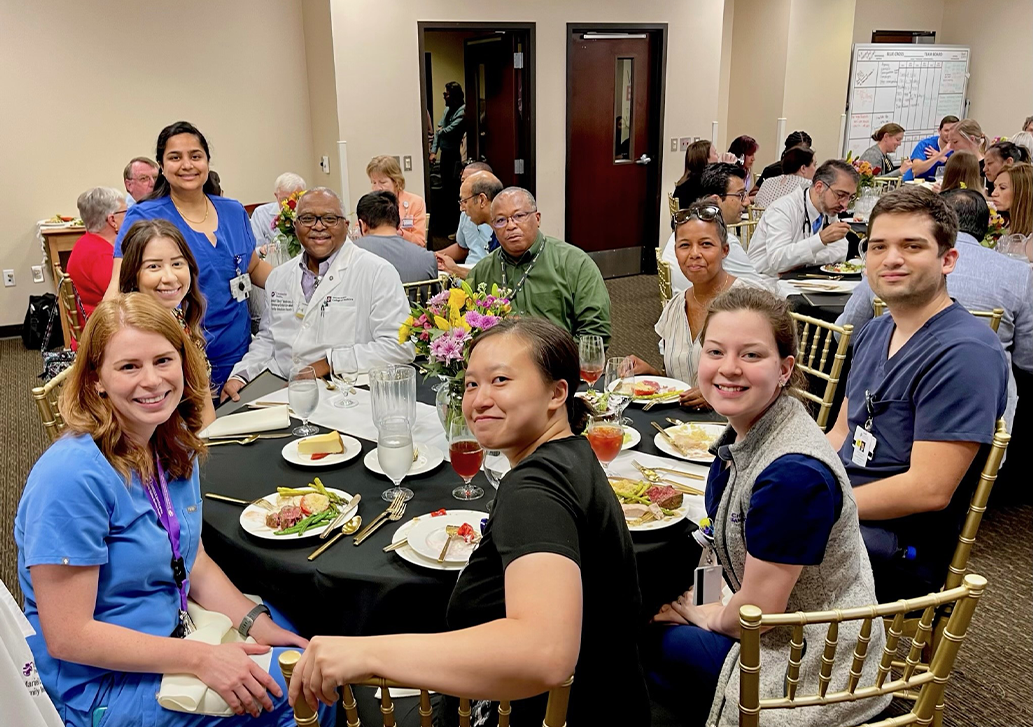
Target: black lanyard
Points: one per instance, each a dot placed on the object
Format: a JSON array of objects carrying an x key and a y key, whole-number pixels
[{"x": 518, "y": 286}]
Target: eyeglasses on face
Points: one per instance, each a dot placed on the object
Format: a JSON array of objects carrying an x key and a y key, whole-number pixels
[
  {"x": 308, "y": 220},
  {"x": 520, "y": 218},
  {"x": 842, "y": 196},
  {"x": 464, "y": 200},
  {"x": 741, "y": 194},
  {"x": 708, "y": 213},
  {"x": 145, "y": 178}
]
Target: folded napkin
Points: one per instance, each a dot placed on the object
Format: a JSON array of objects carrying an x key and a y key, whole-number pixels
[
  {"x": 187, "y": 693},
  {"x": 257, "y": 420}
]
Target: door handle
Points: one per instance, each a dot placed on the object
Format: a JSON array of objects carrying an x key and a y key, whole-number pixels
[{"x": 643, "y": 160}]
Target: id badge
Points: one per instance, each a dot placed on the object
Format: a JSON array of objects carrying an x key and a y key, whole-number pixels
[
  {"x": 864, "y": 446},
  {"x": 240, "y": 287},
  {"x": 407, "y": 223},
  {"x": 706, "y": 585}
]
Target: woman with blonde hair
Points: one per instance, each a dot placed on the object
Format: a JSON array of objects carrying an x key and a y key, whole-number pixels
[
  {"x": 967, "y": 135},
  {"x": 385, "y": 174},
  {"x": 109, "y": 538},
  {"x": 887, "y": 140},
  {"x": 962, "y": 170},
  {"x": 1013, "y": 197}
]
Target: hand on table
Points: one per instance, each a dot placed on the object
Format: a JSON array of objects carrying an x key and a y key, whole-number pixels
[
  {"x": 693, "y": 399},
  {"x": 265, "y": 631},
  {"x": 328, "y": 662},
  {"x": 229, "y": 670},
  {"x": 834, "y": 233},
  {"x": 230, "y": 389}
]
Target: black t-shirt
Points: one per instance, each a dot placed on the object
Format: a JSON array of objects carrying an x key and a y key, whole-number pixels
[
  {"x": 771, "y": 170},
  {"x": 687, "y": 192},
  {"x": 558, "y": 501}
]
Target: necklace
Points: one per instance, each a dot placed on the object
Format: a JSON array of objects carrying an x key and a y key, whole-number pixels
[
  {"x": 183, "y": 215},
  {"x": 720, "y": 290}
]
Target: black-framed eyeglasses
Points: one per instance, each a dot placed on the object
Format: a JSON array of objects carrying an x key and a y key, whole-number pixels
[
  {"x": 308, "y": 220},
  {"x": 842, "y": 196},
  {"x": 706, "y": 213},
  {"x": 119, "y": 212},
  {"x": 500, "y": 222},
  {"x": 741, "y": 194}
]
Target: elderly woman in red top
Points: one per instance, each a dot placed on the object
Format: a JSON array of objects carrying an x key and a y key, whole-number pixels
[{"x": 102, "y": 210}]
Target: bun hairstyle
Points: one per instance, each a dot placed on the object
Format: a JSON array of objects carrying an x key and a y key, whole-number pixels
[
  {"x": 970, "y": 128},
  {"x": 161, "y": 184},
  {"x": 890, "y": 129},
  {"x": 554, "y": 354}
]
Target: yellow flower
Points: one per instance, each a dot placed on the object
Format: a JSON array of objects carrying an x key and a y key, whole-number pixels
[
  {"x": 441, "y": 323},
  {"x": 403, "y": 332},
  {"x": 456, "y": 298}
]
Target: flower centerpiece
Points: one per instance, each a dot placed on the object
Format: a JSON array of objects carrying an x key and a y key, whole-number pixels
[
  {"x": 996, "y": 229},
  {"x": 284, "y": 224},
  {"x": 442, "y": 329},
  {"x": 868, "y": 174}
]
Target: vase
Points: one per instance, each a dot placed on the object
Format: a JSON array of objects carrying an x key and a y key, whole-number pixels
[{"x": 448, "y": 398}]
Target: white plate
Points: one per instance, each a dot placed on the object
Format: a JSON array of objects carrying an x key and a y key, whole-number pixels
[
  {"x": 427, "y": 536},
  {"x": 667, "y": 448},
  {"x": 253, "y": 520},
  {"x": 664, "y": 382},
  {"x": 679, "y": 515},
  {"x": 408, "y": 554},
  {"x": 831, "y": 267},
  {"x": 352, "y": 448},
  {"x": 427, "y": 459}
]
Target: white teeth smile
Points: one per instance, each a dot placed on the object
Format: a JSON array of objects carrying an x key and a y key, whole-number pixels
[
  {"x": 153, "y": 399},
  {"x": 726, "y": 387}
]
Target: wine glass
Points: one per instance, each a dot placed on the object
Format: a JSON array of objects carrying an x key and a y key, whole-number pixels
[
  {"x": 496, "y": 465},
  {"x": 593, "y": 356},
  {"x": 466, "y": 454},
  {"x": 394, "y": 453},
  {"x": 618, "y": 374},
  {"x": 606, "y": 435},
  {"x": 344, "y": 370},
  {"x": 303, "y": 396}
]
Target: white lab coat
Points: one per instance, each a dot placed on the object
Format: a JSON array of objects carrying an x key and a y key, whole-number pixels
[
  {"x": 780, "y": 243},
  {"x": 359, "y": 304},
  {"x": 736, "y": 263}
]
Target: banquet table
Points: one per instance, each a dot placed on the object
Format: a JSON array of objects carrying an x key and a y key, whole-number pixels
[{"x": 361, "y": 590}]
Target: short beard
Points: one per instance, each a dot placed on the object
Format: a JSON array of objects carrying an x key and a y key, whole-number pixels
[{"x": 917, "y": 296}]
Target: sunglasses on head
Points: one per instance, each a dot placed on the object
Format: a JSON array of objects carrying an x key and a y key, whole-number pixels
[{"x": 706, "y": 213}]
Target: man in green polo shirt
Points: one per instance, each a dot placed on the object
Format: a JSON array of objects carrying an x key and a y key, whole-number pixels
[{"x": 549, "y": 278}]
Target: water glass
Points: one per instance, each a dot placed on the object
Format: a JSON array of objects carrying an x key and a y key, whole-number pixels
[
  {"x": 1013, "y": 246},
  {"x": 618, "y": 374},
  {"x": 344, "y": 370},
  {"x": 394, "y": 453},
  {"x": 466, "y": 455},
  {"x": 593, "y": 356},
  {"x": 496, "y": 465},
  {"x": 303, "y": 397}
]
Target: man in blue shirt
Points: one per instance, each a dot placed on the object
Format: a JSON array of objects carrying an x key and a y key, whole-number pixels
[
  {"x": 476, "y": 238},
  {"x": 927, "y": 384},
  {"x": 931, "y": 153}
]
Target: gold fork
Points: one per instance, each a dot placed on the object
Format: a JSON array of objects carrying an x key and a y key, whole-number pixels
[
  {"x": 249, "y": 439},
  {"x": 653, "y": 476}
]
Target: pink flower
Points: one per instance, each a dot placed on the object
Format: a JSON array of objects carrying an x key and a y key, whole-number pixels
[{"x": 447, "y": 348}]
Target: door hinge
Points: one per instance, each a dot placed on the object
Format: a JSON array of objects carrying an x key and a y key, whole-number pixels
[
  {"x": 518, "y": 166},
  {"x": 518, "y": 60}
]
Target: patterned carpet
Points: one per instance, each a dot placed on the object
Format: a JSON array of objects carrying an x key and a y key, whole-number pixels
[{"x": 992, "y": 685}]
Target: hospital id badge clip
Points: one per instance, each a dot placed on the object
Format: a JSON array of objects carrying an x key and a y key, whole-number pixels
[
  {"x": 240, "y": 287},
  {"x": 864, "y": 440}
]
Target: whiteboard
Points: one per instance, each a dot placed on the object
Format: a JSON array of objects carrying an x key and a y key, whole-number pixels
[{"x": 911, "y": 84}]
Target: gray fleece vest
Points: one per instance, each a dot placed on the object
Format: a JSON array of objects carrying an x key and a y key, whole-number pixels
[{"x": 842, "y": 580}]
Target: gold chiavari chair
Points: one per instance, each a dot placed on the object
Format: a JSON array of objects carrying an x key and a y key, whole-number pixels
[
  {"x": 663, "y": 277},
  {"x": 46, "y": 398},
  {"x": 993, "y": 317},
  {"x": 672, "y": 204},
  {"x": 426, "y": 228},
  {"x": 744, "y": 231},
  {"x": 69, "y": 306},
  {"x": 555, "y": 710},
  {"x": 420, "y": 291},
  {"x": 754, "y": 211},
  {"x": 817, "y": 337},
  {"x": 885, "y": 184},
  {"x": 928, "y": 684}
]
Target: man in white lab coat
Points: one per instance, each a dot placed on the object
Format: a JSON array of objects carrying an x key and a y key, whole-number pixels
[
  {"x": 333, "y": 295},
  {"x": 802, "y": 228}
]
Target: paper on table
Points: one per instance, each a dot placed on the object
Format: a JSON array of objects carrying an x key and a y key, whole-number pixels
[
  {"x": 624, "y": 466},
  {"x": 187, "y": 693},
  {"x": 836, "y": 287},
  {"x": 246, "y": 422}
]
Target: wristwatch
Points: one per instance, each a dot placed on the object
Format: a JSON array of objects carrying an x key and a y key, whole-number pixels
[{"x": 248, "y": 621}]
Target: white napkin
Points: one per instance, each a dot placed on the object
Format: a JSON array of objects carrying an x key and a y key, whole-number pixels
[
  {"x": 256, "y": 420},
  {"x": 187, "y": 693}
]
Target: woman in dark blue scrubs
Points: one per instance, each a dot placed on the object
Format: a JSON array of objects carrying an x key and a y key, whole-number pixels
[{"x": 218, "y": 231}]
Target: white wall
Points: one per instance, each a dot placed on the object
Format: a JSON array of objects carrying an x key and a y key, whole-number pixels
[
  {"x": 375, "y": 46},
  {"x": 88, "y": 85}
]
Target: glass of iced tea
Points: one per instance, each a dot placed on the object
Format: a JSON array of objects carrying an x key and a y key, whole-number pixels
[
  {"x": 593, "y": 357},
  {"x": 606, "y": 435},
  {"x": 466, "y": 455}
]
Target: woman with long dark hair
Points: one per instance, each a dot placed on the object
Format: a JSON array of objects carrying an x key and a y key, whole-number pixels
[
  {"x": 744, "y": 149},
  {"x": 445, "y": 148},
  {"x": 697, "y": 156},
  {"x": 219, "y": 234}
]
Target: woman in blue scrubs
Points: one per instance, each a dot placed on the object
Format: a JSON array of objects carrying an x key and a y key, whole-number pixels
[
  {"x": 219, "y": 233},
  {"x": 109, "y": 539}
]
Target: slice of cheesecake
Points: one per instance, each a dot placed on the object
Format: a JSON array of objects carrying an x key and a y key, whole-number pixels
[{"x": 329, "y": 443}]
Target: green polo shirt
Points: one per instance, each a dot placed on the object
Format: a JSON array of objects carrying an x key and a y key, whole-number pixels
[{"x": 564, "y": 286}]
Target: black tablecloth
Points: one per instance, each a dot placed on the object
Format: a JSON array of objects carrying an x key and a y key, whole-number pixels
[
  {"x": 361, "y": 590},
  {"x": 824, "y": 306}
]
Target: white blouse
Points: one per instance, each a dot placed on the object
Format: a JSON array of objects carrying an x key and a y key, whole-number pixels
[{"x": 779, "y": 186}]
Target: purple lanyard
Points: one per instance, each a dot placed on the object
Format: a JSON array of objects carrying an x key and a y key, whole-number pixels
[{"x": 170, "y": 523}]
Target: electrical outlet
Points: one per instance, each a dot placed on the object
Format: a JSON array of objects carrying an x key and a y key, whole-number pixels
[
  {"x": 37, "y": 273},
  {"x": 674, "y": 144},
  {"x": 8, "y": 278},
  {"x": 407, "y": 161},
  {"x": 685, "y": 141},
  {"x": 324, "y": 164}
]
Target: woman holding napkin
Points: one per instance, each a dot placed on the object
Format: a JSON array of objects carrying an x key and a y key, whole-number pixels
[
  {"x": 109, "y": 540},
  {"x": 783, "y": 529},
  {"x": 552, "y": 589}
]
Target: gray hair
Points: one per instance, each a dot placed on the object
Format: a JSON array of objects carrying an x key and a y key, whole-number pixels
[
  {"x": 487, "y": 184},
  {"x": 327, "y": 191},
  {"x": 521, "y": 191},
  {"x": 830, "y": 170},
  {"x": 127, "y": 173},
  {"x": 289, "y": 182},
  {"x": 1025, "y": 140},
  {"x": 96, "y": 204}
]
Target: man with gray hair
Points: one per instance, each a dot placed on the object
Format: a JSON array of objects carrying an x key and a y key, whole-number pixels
[
  {"x": 803, "y": 228},
  {"x": 139, "y": 177},
  {"x": 102, "y": 210},
  {"x": 263, "y": 216},
  {"x": 547, "y": 277}
]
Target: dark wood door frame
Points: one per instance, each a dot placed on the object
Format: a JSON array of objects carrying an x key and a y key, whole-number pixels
[
  {"x": 530, "y": 92},
  {"x": 656, "y": 112}
]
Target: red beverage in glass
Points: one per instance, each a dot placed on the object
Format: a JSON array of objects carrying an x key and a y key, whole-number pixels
[
  {"x": 591, "y": 375},
  {"x": 466, "y": 458},
  {"x": 606, "y": 441}
]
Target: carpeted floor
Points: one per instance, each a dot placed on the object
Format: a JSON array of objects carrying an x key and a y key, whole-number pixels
[{"x": 992, "y": 685}]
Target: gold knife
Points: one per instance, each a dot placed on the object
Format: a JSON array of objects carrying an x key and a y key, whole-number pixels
[
  {"x": 342, "y": 517},
  {"x": 670, "y": 439},
  {"x": 279, "y": 435},
  {"x": 224, "y": 498}
]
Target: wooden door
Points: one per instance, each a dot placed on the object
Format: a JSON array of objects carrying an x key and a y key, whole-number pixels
[{"x": 613, "y": 136}]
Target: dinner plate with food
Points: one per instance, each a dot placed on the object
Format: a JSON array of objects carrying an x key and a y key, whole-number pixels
[
  {"x": 295, "y": 513},
  {"x": 427, "y": 458},
  {"x": 850, "y": 267},
  {"x": 690, "y": 441},
  {"x": 647, "y": 505},
  {"x": 322, "y": 450},
  {"x": 598, "y": 401},
  {"x": 645, "y": 389},
  {"x": 461, "y": 529}
]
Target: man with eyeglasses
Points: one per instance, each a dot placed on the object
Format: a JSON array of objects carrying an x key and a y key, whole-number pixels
[
  {"x": 548, "y": 278},
  {"x": 475, "y": 237},
  {"x": 334, "y": 295},
  {"x": 139, "y": 177},
  {"x": 803, "y": 228}
]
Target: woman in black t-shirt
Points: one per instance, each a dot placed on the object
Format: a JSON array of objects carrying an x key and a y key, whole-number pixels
[{"x": 552, "y": 589}]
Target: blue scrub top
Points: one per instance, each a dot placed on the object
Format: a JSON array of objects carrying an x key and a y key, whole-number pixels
[
  {"x": 227, "y": 323},
  {"x": 77, "y": 510},
  {"x": 918, "y": 153}
]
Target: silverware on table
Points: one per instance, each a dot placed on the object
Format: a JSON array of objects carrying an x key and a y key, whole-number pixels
[
  {"x": 670, "y": 439},
  {"x": 396, "y": 506},
  {"x": 260, "y": 502},
  {"x": 824, "y": 276},
  {"x": 347, "y": 529},
  {"x": 344, "y": 516},
  {"x": 450, "y": 532},
  {"x": 652, "y": 476},
  {"x": 256, "y": 435},
  {"x": 662, "y": 400},
  {"x": 675, "y": 422},
  {"x": 249, "y": 439}
]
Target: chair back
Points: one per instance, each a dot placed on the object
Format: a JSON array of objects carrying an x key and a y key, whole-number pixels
[
  {"x": 744, "y": 231},
  {"x": 420, "y": 291},
  {"x": 46, "y": 398},
  {"x": 929, "y": 684},
  {"x": 817, "y": 337},
  {"x": 993, "y": 317},
  {"x": 426, "y": 229},
  {"x": 754, "y": 211},
  {"x": 70, "y": 306},
  {"x": 663, "y": 277},
  {"x": 672, "y": 204}
]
